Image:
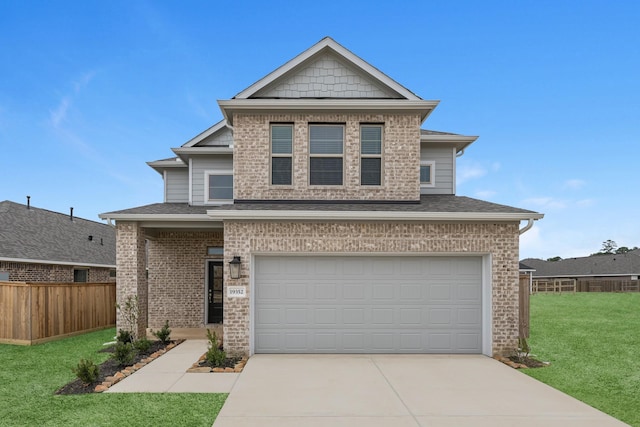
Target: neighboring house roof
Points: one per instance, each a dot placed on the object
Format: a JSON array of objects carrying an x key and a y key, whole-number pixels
[
  {"x": 434, "y": 207},
  {"x": 595, "y": 265},
  {"x": 525, "y": 267},
  {"x": 29, "y": 234}
]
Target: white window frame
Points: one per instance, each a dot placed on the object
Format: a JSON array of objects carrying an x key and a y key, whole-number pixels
[
  {"x": 284, "y": 155},
  {"x": 373, "y": 156},
  {"x": 340, "y": 156},
  {"x": 207, "y": 200},
  {"x": 432, "y": 175}
]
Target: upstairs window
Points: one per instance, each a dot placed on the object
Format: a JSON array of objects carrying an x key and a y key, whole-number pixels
[
  {"x": 427, "y": 173},
  {"x": 326, "y": 160},
  {"x": 371, "y": 155},
  {"x": 281, "y": 154},
  {"x": 219, "y": 186}
]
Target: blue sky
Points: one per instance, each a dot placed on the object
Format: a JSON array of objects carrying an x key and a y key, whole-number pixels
[{"x": 90, "y": 91}]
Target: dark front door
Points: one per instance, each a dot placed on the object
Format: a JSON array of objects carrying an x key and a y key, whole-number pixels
[{"x": 214, "y": 292}]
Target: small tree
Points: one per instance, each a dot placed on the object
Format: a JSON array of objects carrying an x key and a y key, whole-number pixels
[
  {"x": 130, "y": 312},
  {"x": 608, "y": 247}
]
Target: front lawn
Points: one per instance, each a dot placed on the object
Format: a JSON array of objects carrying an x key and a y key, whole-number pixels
[
  {"x": 29, "y": 376},
  {"x": 593, "y": 343}
]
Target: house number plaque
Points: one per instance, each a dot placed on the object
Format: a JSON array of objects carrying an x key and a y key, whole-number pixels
[{"x": 236, "y": 291}]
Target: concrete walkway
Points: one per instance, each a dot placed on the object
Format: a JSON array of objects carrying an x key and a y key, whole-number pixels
[
  {"x": 167, "y": 374},
  {"x": 403, "y": 390}
]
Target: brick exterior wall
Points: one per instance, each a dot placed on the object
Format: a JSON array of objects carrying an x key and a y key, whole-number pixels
[
  {"x": 401, "y": 158},
  {"x": 131, "y": 272},
  {"x": 177, "y": 264},
  {"x": 52, "y": 273},
  {"x": 501, "y": 240}
]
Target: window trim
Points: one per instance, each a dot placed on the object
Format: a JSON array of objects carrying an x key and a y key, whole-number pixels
[
  {"x": 206, "y": 199},
  {"x": 280, "y": 155},
  {"x": 432, "y": 173},
  {"x": 334, "y": 156},
  {"x": 373, "y": 156}
]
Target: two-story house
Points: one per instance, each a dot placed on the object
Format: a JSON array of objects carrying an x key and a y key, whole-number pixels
[{"x": 318, "y": 217}]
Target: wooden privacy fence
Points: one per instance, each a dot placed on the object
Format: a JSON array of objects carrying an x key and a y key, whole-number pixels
[
  {"x": 31, "y": 313},
  {"x": 585, "y": 285}
]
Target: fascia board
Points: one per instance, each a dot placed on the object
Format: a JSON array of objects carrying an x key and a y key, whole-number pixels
[
  {"x": 230, "y": 106},
  {"x": 369, "y": 215},
  {"x": 327, "y": 43},
  {"x": 161, "y": 165},
  {"x": 155, "y": 217},
  {"x": 185, "y": 152},
  {"x": 54, "y": 262},
  {"x": 459, "y": 141}
]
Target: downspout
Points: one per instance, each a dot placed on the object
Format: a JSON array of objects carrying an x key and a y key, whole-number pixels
[
  {"x": 527, "y": 227},
  {"x": 460, "y": 153}
]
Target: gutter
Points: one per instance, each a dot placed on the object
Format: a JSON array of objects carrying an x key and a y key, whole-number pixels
[{"x": 528, "y": 226}]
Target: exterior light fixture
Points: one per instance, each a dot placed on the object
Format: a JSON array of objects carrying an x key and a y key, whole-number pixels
[{"x": 234, "y": 267}]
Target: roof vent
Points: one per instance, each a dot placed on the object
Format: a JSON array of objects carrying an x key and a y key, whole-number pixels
[
  {"x": 28, "y": 202},
  {"x": 71, "y": 214}
]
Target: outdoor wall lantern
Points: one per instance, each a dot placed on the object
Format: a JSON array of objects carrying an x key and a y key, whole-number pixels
[{"x": 234, "y": 267}]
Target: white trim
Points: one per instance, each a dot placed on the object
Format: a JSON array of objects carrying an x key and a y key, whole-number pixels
[
  {"x": 327, "y": 43},
  {"x": 360, "y": 106},
  {"x": 273, "y": 155},
  {"x": 373, "y": 156},
  {"x": 54, "y": 262},
  {"x": 432, "y": 173},
  {"x": 368, "y": 215},
  {"x": 190, "y": 181},
  {"x": 164, "y": 179},
  {"x": 454, "y": 162},
  {"x": 487, "y": 306},
  {"x": 207, "y": 174}
]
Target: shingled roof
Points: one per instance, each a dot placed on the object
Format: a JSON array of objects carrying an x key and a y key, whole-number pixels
[
  {"x": 29, "y": 234},
  {"x": 595, "y": 265}
]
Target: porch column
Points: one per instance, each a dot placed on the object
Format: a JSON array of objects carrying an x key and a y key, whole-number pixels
[{"x": 131, "y": 275}]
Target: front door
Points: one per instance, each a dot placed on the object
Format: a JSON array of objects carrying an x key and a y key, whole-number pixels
[{"x": 214, "y": 292}]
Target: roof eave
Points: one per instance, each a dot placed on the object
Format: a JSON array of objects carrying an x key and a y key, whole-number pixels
[
  {"x": 461, "y": 142},
  {"x": 56, "y": 262},
  {"x": 231, "y": 106},
  {"x": 369, "y": 215}
]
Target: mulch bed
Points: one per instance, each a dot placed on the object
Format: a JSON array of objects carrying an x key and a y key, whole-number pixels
[
  {"x": 110, "y": 367},
  {"x": 231, "y": 364},
  {"x": 521, "y": 362}
]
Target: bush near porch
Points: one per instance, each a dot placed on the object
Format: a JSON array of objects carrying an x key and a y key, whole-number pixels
[{"x": 591, "y": 340}]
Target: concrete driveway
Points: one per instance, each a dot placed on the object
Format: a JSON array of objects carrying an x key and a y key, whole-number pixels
[{"x": 402, "y": 390}]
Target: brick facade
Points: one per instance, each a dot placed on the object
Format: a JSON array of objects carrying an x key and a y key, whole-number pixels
[
  {"x": 500, "y": 240},
  {"x": 32, "y": 272},
  {"x": 131, "y": 271},
  {"x": 401, "y": 158},
  {"x": 177, "y": 264}
]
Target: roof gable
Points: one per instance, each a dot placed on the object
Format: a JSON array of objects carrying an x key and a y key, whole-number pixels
[{"x": 327, "y": 70}]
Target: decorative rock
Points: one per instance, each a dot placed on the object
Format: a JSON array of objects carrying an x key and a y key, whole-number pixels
[
  {"x": 119, "y": 375},
  {"x": 199, "y": 369},
  {"x": 228, "y": 370},
  {"x": 218, "y": 369},
  {"x": 100, "y": 388},
  {"x": 110, "y": 379}
]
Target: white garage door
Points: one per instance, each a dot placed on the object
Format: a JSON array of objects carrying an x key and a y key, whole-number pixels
[{"x": 368, "y": 304}]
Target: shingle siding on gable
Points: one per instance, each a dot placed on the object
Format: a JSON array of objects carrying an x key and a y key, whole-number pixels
[
  {"x": 220, "y": 138},
  {"x": 400, "y": 158},
  {"x": 199, "y": 166},
  {"x": 326, "y": 77},
  {"x": 177, "y": 186},
  {"x": 444, "y": 160}
]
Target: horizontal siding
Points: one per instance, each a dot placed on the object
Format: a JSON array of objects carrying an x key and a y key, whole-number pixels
[
  {"x": 177, "y": 186},
  {"x": 444, "y": 159},
  {"x": 206, "y": 163}
]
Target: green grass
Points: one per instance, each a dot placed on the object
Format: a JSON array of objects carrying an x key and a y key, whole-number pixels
[
  {"x": 29, "y": 376},
  {"x": 592, "y": 341}
]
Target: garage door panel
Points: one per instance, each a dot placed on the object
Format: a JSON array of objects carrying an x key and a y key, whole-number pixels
[{"x": 368, "y": 305}]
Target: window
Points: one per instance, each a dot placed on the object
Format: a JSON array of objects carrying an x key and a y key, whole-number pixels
[
  {"x": 371, "y": 155},
  {"x": 427, "y": 173},
  {"x": 215, "y": 250},
  {"x": 219, "y": 186},
  {"x": 80, "y": 275},
  {"x": 281, "y": 154},
  {"x": 326, "y": 146}
]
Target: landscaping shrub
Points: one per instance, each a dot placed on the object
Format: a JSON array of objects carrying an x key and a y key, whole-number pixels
[
  {"x": 124, "y": 336},
  {"x": 86, "y": 371},
  {"x": 164, "y": 333},
  {"x": 124, "y": 353},
  {"x": 215, "y": 355},
  {"x": 142, "y": 345}
]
